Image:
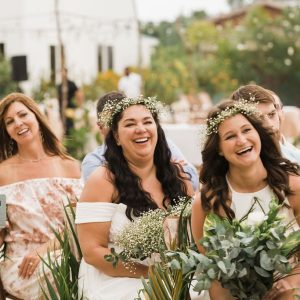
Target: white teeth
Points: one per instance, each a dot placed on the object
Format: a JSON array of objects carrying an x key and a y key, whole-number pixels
[
  {"x": 244, "y": 150},
  {"x": 22, "y": 131},
  {"x": 141, "y": 140}
]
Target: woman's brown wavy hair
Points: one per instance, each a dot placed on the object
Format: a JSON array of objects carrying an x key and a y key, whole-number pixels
[{"x": 214, "y": 189}]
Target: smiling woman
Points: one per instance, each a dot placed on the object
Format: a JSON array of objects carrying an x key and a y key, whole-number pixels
[
  {"x": 37, "y": 177},
  {"x": 242, "y": 161},
  {"x": 139, "y": 176}
]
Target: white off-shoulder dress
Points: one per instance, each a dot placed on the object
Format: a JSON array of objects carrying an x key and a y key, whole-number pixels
[
  {"x": 94, "y": 284},
  {"x": 34, "y": 206}
]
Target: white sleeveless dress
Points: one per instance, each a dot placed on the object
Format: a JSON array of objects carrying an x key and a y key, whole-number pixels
[{"x": 242, "y": 202}]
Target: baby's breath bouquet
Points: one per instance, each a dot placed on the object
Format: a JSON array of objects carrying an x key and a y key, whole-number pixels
[
  {"x": 146, "y": 235},
  {"x": 246, "y": 256}
]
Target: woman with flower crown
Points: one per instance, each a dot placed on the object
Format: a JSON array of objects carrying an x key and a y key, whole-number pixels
[
  {"x": 242, "y": 161},
  {"x": 37, "y": 177},
  {"x": 139, "y": 176}
]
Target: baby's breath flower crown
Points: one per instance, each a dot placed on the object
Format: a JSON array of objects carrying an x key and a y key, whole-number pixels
[
  {"x": 240, "y": 107},
  {"x": 111, "y": 108}
]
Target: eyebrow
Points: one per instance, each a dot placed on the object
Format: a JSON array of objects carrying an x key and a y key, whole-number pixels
[
  {"x": 133, "y": 119},
  {"x": 20, "y": 111},
  {"x": 232, "y": 132}
]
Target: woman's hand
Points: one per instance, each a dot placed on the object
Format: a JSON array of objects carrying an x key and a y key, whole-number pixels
[
  {"x": 279, "y": 290},
  {"x": 31, "y": 261}
]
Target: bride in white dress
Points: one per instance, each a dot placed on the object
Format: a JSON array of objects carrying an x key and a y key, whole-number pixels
[
  {"x": 240, "y": 161},
  {"x": 139, "y": 176}
]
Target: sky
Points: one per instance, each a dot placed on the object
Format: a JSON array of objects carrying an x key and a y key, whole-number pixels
[{"x": 159, "y": 10}]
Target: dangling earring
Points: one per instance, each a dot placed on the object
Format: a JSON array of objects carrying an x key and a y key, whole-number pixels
[
  {"x": 10, "y": 147},
  {"x": 42, "y": 136}
]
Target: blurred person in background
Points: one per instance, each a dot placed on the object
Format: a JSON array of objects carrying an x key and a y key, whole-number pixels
[
  {"x": 75, "y": 98},
  {"x": 271, "y": 115},
  {"x": 130, "y": 83}
]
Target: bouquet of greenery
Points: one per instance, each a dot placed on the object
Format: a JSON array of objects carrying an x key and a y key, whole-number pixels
[
  {"x": 246, "y": 256},
  {"x": 150, "y": 234}
]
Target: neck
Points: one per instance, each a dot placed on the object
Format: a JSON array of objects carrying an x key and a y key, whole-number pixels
[
  {"x": 142, "y": 170},
  {"x": 32, "y": 153},
  {"x": 248, "y": 179}
]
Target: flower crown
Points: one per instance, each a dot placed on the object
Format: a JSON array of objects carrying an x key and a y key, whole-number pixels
[
  {"x": 241, "y": 106},
  {"x": 113, "y": 107}
]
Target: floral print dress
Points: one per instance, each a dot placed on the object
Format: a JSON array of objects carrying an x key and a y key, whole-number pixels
[{"x": 33, "y": 207}]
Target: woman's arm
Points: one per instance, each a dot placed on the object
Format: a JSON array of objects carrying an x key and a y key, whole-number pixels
[
  {"x": 282, "y": 289},
  {"x": 216, "y": 291},
  {"x": 94, "y": 237}
]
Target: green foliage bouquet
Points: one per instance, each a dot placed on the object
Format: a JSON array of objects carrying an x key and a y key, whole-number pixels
[{"x": 246, "y": 256}]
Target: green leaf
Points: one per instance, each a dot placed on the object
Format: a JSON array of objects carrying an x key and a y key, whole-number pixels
[
  {"x": 221, "y": 265},
  {"x": 262, "y": 272}
]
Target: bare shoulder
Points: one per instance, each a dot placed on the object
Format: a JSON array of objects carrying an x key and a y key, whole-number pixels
[
  {"x": 70, "y": 167},
  {"x": 99, "y": 187},
  {"x": 294, "y": 182},
  {"x": 7, "y": 170}
]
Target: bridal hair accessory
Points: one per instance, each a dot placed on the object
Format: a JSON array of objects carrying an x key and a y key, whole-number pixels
[
  {"x": 113, "y": 107},
  {"x": 241, "y": 106}
]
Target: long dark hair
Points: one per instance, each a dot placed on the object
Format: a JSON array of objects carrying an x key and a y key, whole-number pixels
[
  {"x": 129, "y": 187},
  {"x": 215, "y": 167}
]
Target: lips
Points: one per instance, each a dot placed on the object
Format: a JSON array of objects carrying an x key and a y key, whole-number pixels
[{"x": 244, "y": 150}]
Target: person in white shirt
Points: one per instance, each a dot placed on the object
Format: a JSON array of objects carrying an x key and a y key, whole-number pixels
[{"x": 130, "y": 84}]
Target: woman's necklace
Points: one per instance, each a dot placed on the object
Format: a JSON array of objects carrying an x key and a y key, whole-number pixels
[{"x": 32, "y": 160}]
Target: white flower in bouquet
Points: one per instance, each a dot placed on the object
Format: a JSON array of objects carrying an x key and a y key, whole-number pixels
[{"x": 255, "y": 218}]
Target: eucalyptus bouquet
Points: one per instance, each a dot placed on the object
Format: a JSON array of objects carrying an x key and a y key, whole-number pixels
[
  {"x": 149, "y": 234},
  {"x": 246, "y": 256}
]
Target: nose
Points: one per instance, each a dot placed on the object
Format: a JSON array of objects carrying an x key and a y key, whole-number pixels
[
  {"x": 18, "y": 122},
  {"x": 140, "y": 128},
  {"x": 241, "y": 139}
]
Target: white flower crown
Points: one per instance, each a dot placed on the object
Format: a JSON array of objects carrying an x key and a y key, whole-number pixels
[
  {"x": 245, "y": 107},
  {"x": 113, "y": 107},
  {"x": 241, "y": 106}
]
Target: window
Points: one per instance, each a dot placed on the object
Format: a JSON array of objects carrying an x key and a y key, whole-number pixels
[
  {"x": 52, "y": 63},
  {"x": 2, "y": 50},
  {"x": 100, "y": 59},
  {"x": 110, "y": 55}
]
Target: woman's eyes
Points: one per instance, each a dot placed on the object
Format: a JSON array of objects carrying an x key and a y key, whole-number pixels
[{"x": 246, "y": 130}]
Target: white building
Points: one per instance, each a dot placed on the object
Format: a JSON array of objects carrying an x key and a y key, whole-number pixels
[{"x": 97, "y": 35}]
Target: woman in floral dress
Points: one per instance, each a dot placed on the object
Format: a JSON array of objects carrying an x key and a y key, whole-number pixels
[{"x": 38, "y": 178}]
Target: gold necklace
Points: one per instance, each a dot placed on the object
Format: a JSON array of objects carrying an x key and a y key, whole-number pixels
[{"x": 31, "y": 160}]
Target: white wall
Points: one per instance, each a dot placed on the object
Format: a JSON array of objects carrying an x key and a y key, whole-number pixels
[{"x": 28, "y": 27}]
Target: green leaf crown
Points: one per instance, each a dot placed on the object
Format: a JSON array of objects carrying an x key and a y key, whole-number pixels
[
  {"x": 241, "y": 106},
  {"x": 113, "y": 107}
]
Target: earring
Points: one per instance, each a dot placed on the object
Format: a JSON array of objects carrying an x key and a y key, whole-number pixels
[
  {"x": 42, "y": 137},
  {"x": 221, "y": 153},
  {"x": 10, "y": 147}
]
